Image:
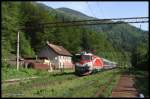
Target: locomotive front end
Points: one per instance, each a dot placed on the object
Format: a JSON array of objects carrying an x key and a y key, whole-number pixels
[{"x": 83, "y": 65}]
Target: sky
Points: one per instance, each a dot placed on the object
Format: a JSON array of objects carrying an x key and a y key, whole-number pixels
[{"x": 107, "y": 9}]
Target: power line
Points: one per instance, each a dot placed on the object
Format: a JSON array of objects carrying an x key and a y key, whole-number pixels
[
  {"x": 70, "y": 25},
  {"x": 90, "y": 9},
  {"x": 100, "y": 8},
  {"x": 94, "y": 22},
  {"x": 110, "y": 19}
]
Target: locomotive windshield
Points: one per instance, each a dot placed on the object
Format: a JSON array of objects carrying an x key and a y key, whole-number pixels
[
  {"x": 82, "y": 57},
  {"x": 86, "y": 57}
]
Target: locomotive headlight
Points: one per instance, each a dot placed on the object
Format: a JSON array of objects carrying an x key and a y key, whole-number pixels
[
  {"x": 89, "y": 66},
  {"x": 86, "y": 65},
  {"x": 77, "y": 64}
]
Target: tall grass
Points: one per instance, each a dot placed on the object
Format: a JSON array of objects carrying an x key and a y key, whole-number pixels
[
  {"x": 11, "y": 72},
  {"x": 141, "y": 79},
  {"x": 64, "y": 85}
]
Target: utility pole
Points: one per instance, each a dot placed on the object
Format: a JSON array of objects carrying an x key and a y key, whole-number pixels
[{"x": 18, "y": 51}]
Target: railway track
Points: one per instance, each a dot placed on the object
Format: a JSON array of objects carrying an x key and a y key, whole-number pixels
[
  {"x": 104, "y": 87},
  {"x": 45, "y": 83},
  {"x": 17, "y": 80},
  {"x": 40, "y": 81},
  {"x": 13, "y": 81},
  {"x": 31, "y": 85},
  {"x": 89, "y": 83}
]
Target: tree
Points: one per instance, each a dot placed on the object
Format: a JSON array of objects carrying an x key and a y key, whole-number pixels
[{"x": 9, "y": 27}]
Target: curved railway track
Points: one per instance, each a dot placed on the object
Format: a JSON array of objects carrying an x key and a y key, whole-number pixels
[
  {"x": 64, "y": 77},
  {"x": 13, "y": 81},
  {"x": 18, "y": 80},
  {"x": 104, "y": 87}
]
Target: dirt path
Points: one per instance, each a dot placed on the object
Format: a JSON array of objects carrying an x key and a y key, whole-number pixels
[{"x": 125, "y": 87}]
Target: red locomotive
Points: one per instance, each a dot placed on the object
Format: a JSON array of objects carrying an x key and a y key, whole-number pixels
[{"x": 86, "y": 63}]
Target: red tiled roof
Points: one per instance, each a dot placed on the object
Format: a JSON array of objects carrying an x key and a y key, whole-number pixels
[{"x": 59, "y": 50}]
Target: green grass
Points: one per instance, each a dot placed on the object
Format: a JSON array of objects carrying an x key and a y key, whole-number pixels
[
  {"x": 66, "y": 84},
  {"x": 52, "y": 78},
  {"x": 141, "y": 79},
  {"x": 63, "y": 85},
  {"x": 110, "y": 87},
  {"x": 12, "y": 73}
]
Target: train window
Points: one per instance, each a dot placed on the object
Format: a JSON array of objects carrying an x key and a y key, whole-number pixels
[
  {"x": 86, "y": 57},
  {"x": 106, "y": 63}
]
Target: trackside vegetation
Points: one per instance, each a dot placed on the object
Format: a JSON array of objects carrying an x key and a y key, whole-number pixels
[
  {"x": 64, "y": 85},
  {"x": 121, "y": 43}
]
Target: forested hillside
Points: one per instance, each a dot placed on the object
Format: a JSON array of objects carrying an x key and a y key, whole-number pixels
[{"x": 120, "y": 43}]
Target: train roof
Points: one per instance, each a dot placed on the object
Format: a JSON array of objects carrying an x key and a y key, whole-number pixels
[
  {"x": 88, "y": 54},
  {"x": 85, "y": 53},
  {"x": 106, "y": 60}
]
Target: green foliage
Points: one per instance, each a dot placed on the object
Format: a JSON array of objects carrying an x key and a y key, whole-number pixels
[
  {"x": 65, "y": 85},
  {"x": 114, "y": 42},
  {"x": 10, "y": 27},
  {"x": 25, "y": 48},
  {"x": 10, "y": 72},
  {"x": 141, "y": 80}
]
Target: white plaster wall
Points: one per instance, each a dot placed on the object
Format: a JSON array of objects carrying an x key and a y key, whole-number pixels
[
  {"x": 47, "y": 52},
  {"x": 56, "y": 59}
]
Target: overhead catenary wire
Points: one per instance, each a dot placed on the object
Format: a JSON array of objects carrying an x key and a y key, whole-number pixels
[
  {"x": 90, "y": 9},
  {"x": 110, "y": 19},
  {"x": 100, "y": 9},
  {"x": 93, "y": 22}
]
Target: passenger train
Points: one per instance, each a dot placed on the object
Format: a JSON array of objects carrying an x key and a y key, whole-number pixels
[{"x": 86, "y": 63}]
